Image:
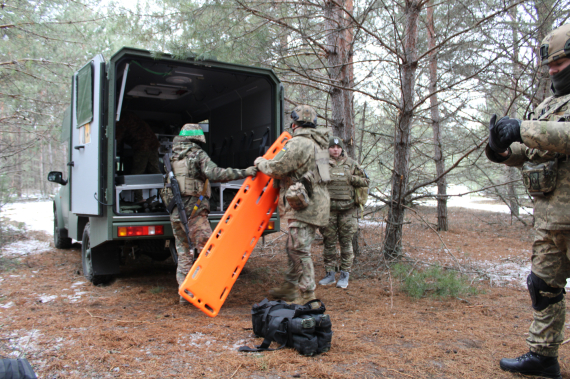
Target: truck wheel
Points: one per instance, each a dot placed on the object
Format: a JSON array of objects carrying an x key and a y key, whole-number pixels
[
  {"x": 87, "y": 261},
  {"x": 60, "y": 239}
]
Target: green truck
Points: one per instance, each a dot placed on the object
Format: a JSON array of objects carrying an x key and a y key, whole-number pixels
[{"x": 239, "y": 107}]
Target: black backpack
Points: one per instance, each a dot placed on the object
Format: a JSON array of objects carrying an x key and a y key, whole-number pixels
[{"x": 306, "y": 329}]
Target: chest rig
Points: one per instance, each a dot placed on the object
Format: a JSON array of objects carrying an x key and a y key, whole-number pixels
[
  {"x": 186, "y": 168},
  {"x": 540, "y": 178},
  {"x": 339, "y": 187}
]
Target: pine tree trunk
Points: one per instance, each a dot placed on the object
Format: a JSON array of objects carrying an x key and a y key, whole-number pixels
[
  {"x": 348, "y": 133},
  {"x": 545, "y": 21},
  {"x": 334, "y": 23},
  {"x": 50, "y": 168},
  {"x": 18, "y": 168},
  {"x": 442, "y": 223},
  {"x": 42, "y": 170},
  {"x": 396, "y": 211},
  {"x": 511, "y": 172}
]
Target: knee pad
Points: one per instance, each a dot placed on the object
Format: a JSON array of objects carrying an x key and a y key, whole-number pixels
[{"x": 536, "y": 286}]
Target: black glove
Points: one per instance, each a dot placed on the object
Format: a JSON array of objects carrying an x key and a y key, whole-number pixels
[
  {"x": 509, "y": 131},
  {"x": 494, "y": 136}
]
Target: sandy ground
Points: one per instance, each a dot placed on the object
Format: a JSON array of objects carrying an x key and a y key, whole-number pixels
[{"x": 134, "y": 327}]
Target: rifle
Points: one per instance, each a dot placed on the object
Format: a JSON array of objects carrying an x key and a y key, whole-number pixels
[{"x": 178, "y": 203}]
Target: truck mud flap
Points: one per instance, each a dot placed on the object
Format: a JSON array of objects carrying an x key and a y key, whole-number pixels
[{"x": 214, "y": 273}]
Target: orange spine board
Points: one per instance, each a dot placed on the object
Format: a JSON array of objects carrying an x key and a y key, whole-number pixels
[{"x": 214, "y": 273}]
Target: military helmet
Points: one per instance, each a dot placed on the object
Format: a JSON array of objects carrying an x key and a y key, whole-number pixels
[
  {"x": 193, "y": 132},
  {"x": 556, "y": 45},
  {"x": 336, "y": 141},
  {"x": 304, "y": 115}
]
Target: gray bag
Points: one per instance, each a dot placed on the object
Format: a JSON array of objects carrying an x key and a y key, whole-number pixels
[{"x": 16, "y": 369}]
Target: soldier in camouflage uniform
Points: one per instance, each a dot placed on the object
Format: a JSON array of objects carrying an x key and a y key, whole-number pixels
[
  {"x": 345, "y": 176},
  {"x": 192, "y": 166},
  {"x": 301, "y": 166},
  {"x": 541, "y": 146},
  {"x": 136, "y": 133}
]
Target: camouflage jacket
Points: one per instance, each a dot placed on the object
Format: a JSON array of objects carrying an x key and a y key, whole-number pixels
[
  {"x": 545, "y": 135},
  {"x": 201, "y": 167},
  {"x": 290, "y": 164},
  {"x": 345, "y": 176},
  {"x": 133, "y": 131}
]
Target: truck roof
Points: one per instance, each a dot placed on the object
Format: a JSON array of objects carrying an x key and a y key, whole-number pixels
[{"x": 132, "y": 52}]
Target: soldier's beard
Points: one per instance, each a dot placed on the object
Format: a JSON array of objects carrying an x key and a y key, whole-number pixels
[{"x": 561, "y": 82}]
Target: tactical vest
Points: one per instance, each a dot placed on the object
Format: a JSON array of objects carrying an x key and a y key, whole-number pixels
[
  {"x": 540, "y": 178},
  {"x": 553, "y": 111},
  {"x": 185, "y": 168},
  {"x": 339, "y": 186}
]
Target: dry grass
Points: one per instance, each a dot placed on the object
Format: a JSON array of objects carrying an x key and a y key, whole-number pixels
[{"x": 131, "y": 329}]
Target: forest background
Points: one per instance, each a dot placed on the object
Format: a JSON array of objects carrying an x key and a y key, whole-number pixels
[{"x": 409, "y": 85}]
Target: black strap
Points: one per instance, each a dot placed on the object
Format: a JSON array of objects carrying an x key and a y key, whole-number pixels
[
  {"x": 307, "y": 309},
  {"x": 272, "y": 330}
]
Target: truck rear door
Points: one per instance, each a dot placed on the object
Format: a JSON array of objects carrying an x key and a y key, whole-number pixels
[{"x": 86, "y": 134}]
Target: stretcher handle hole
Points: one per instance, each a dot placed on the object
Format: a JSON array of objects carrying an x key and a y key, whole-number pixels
[
  {"x": 237, "y": 203},
  {"x": 244, "y": 256},
  {"x": 196, "y": 272},
  {"x": 252, "y": 241},
  {"x": 246, "y": 189},
  {"x": 228, "y": 218},
  {"x": 235, "y": 272},
  {"x": 210, "y": 309},
  {"x": 219, "y": 233},
  {"x": 209, "y": 250},
  {"x": 261, "y": 226},
  {"x": 189, "y": 293},
  {"x": 223, "y": 292},
  {"x": 262, "y": 192}
]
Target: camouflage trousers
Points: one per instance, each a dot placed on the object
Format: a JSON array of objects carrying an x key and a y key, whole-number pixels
[
  {"x": 551, "y": 263},
  {"x": 300, "y": 271},
  {"x": 144, "y": 162},
  {"x": 200, "y": 231},
  {"x": 341, "y": 228}
]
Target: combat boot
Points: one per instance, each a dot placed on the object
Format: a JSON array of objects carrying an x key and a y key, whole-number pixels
[
  {"x": 287, "y": 292},
  {"x": 183, "y": 301},
  {"x": 532, "y": 364},
  {"x": 343, "y": 281},
  {"x": 304, "y": 298},
  {"x": 328, "y": 279}
]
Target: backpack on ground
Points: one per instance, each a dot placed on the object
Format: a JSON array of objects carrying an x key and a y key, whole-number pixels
[{"x": 302, "y": 327}]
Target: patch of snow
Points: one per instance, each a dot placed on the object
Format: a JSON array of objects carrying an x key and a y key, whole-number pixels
[
  {"x": 37, "y": 215},
  {"x": 23, "y": 341},
  {"x": 195, "y": 339},
  {"x": 28, "y": 247},
  {"x": 78, "y": 283},
  {"x": 471, "y": 201},
  {"x": 7, "y": 305},
  {"x": 508, "y": 272},
  {"x": 47, "y": 298},
  {"x": 371, "y": 223}
]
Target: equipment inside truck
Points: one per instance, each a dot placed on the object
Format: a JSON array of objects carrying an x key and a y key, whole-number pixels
[{"x": 155, "y": 99}]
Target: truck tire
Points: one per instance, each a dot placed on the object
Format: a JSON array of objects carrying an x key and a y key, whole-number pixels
[
  {"x": 87, "y": 262},
  {"x": 60, "y": 239}
]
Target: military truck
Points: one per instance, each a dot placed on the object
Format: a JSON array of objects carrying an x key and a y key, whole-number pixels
[{"x": 240, "y": 109}]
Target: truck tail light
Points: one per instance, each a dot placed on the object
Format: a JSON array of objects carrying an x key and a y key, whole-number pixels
[
  {"x": 270, "y": 225},
  {"x": 135, "y": 231}
]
